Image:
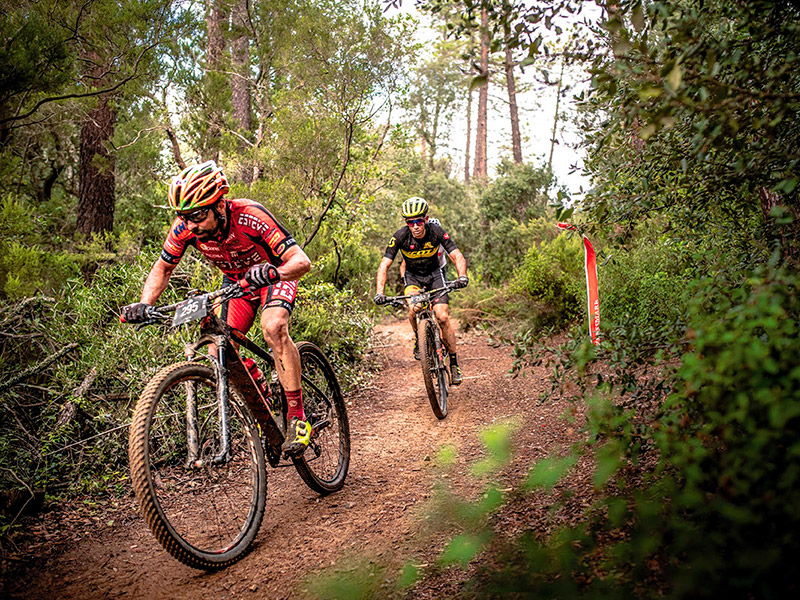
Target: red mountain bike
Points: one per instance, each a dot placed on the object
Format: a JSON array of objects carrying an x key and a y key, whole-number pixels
[{"x": 202, "y": 433}]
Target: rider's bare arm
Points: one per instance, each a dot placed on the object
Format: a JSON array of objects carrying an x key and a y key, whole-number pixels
[
  {"x": 157, "y": 281},
  {"x": 459, "y": 261},
  {"x": 383, "y": 269},
  {"x": 295, "y": 264}
]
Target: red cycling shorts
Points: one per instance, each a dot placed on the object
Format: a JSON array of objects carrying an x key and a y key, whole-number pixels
[{"x": 240, "y": 313}]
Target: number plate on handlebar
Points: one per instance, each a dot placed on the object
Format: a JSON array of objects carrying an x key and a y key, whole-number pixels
[{"x": 191, "y": 310}]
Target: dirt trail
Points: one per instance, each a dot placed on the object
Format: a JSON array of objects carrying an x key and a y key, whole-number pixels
[{"x": 111, "y": 553}]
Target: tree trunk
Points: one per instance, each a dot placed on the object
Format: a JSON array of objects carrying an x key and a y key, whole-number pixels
[
  {"x": 434, "y": 133},
  {"x": 555, "y": 120},
  {"x": 481, "y": 134},
  {"x": 240, "y": 83},
  {"x": 216, "y": 22},
  {"x": 516, "y": 140},
  {"x": 264, "y": 113},
  {"x": 95, "y": 209},
  {"x": 217, "y": 16},
  {"x": 469, "y": 115},
  {"x": 469, "y": 135}
]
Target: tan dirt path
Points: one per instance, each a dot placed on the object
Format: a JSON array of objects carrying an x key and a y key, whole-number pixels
[{"x": 108, "y": 552}]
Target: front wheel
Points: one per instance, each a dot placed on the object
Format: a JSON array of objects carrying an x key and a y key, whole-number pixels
[
  {"x": 433, "y": 368},
  {"x": 204, "y": 514},
  {"x": 325, "y": 463}
]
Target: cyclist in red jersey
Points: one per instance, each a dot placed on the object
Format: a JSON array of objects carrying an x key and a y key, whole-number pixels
[{"x": 245, "y": 241}]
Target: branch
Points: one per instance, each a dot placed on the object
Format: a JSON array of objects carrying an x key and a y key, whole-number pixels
[
  {"x": 44, "y": 101},
  {"x": 176, "y": 149},
  {"x": 27, "y": 487},
  {"x": 36, "y": 368},
  {"x": 332, "y": 196},
  {"x": 134, "y": 140}
]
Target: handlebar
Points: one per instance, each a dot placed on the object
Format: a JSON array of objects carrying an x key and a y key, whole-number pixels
[
  {"x": 425, "y": 296},
  {"x": 159, "y": 314}
]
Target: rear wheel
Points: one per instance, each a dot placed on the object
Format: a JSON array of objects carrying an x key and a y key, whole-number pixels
[
  {"x": 325, "y": 463},
  {"x": 433, "y": 368},
  {"x": 206, "y": 515}
]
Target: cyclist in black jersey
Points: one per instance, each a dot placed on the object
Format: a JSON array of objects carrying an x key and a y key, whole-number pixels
[{"x": 419, "y": 243}]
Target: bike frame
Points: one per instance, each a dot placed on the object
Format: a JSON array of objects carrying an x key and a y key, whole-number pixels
[
  {"x": 228, "y": 366},
  {"x": 426, "y": 296},
  {"x": 426, "y": 312}
]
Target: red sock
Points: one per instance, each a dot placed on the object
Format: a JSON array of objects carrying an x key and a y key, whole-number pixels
[{"x": 294, "y": 400}]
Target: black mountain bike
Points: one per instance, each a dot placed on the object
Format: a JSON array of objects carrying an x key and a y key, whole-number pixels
[
  {"x": 203, "y": 431},
  {"x": 432, "y": 352}
]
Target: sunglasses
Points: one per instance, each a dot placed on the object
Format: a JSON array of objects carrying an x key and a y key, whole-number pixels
[
  {"x": 411, "y": 222},
  {"x": 197, "y": 216}
]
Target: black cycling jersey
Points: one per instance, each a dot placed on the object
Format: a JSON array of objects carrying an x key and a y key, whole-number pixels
[{"x": 420, "y": 255}]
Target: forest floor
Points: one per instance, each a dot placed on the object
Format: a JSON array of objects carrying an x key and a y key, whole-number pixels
[{"x": 105, "y": 550}]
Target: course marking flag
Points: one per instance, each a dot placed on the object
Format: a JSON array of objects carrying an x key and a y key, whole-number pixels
[{"x": 592, "y": 297}]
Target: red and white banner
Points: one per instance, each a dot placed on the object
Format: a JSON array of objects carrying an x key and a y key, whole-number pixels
[{"x": 592, "y": 297}]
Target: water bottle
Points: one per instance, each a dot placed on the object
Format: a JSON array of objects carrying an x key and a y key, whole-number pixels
[{"x": 258, "y": 376}]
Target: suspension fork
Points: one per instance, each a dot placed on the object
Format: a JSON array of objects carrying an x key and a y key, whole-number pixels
[
  {"x": 223, "y": 403},
  {"x": 440, "y": 350},
  {"x": 437, "y": 339}
]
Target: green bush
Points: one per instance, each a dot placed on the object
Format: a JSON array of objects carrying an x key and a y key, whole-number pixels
[
  {"x": 26, "y": 270},
  {"x": 335, "y": 321},
  {"x": 646, "y": 287},
  {"x": 698, "y": 466},
  {"x": 28, "y": 262},
  {"x": 698, "y": 495},
  {"x": 731, "y": 439},
  {"x": 518, "y": 192},
  {"x": 506, "y": 243},
  {"x": 513, "y": 210},
  {"x": 114, "y": 359},
  {"x": 552, "y": 274}
]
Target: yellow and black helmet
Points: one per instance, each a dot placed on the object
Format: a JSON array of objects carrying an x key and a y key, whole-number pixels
[
  {"x": 414, "y": 207},
  {"x": 197, "y": 186}
]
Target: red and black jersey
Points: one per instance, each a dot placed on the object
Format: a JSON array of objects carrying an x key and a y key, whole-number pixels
[
  {"x": 251, "y": 236},
  {"x": 421, "y": 255}
]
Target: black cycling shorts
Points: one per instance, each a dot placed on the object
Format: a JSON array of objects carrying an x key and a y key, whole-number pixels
[{"x": 434, "y": 281}]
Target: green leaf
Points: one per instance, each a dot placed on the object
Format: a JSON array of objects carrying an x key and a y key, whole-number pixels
[
  {"x": 462, "y": 549},
  {"x": 649, "y": 92},
  {"x": 637, "y": 17},
  {"x": 446, "y": 455},
  {"x": 478, "y": 81},
  {"x": 668, "y": 121},
  {"x": 608, "y": 461},
  {"x": 497, "y": 440},
  {"x": 647, "y": 131},
  {"x": 564, "y": 213},
  {"x": 787, "y": 185},
  {"x": 408, "y": 576},
  {"x": 547, "y": 472},
  {"x": 673, "y": 78}
]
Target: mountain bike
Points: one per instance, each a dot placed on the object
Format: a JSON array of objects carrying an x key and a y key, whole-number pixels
[
  {"x": 432, "y": 352},
  {"x": 202, "y": 432}
]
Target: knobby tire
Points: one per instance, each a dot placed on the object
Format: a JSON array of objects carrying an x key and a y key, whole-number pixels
[
  {"x": 324, "y": 465},
  {"x": 432, "y": 372},
  {"x": 205, "y": 516}
]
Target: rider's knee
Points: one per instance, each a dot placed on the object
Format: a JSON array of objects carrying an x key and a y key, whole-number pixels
[
  {"x": 276, "y": 331},
  {"x": 442, "y": 314}
]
